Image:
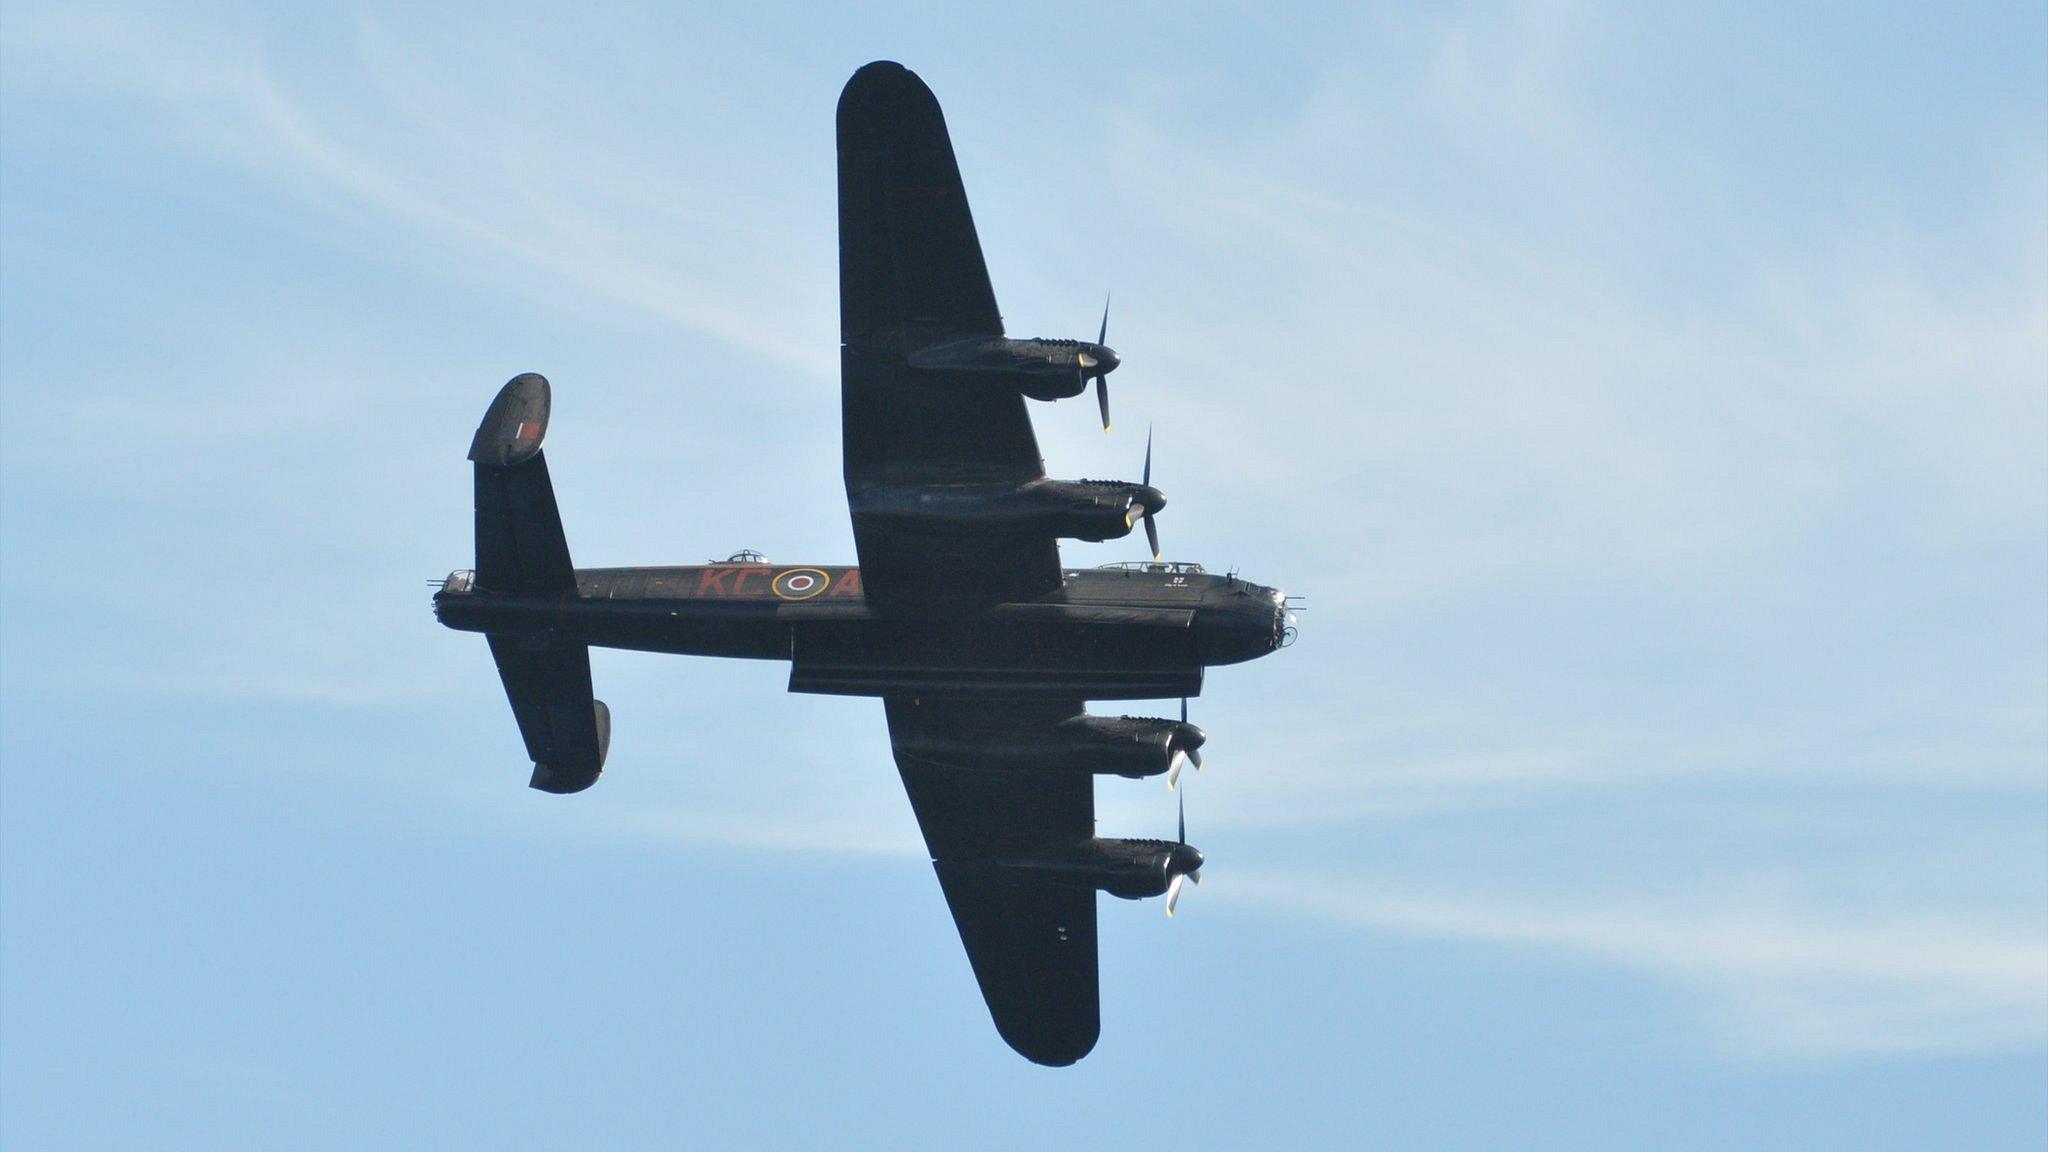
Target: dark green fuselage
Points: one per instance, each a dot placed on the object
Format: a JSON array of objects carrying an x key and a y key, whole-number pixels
[{"x": 1136, "y": 631}]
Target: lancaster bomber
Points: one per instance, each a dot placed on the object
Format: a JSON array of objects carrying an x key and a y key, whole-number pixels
[{"x": 959, "y": 616}]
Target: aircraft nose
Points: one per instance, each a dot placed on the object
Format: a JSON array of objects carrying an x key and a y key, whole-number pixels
[{"x": 1285, "y": 625}]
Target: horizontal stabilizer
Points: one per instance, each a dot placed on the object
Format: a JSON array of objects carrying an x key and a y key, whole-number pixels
[
  {"x": 520, "y": 547},
  {"x": 567, "y": 730}
]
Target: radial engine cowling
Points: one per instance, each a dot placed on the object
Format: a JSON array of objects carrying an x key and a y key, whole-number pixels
[
  {"x": 1140, "y": 877},
  {"x": 1131, "y": 746},
  {"x": 1070, "y": 509},
  {"x": 1040, "y": 369},
  {"x": 1126, "y": 869}
]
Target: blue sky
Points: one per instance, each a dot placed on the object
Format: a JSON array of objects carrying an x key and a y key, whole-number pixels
[{"x": 1653, "y": 406}]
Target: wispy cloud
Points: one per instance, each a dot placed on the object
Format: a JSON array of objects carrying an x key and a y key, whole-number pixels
[
  {"x": 766, "y": 832},
  {"x": 1775, "y": 980},
  {"x": 402, "y": 156},
  {"x": 1596, "y": 478}
]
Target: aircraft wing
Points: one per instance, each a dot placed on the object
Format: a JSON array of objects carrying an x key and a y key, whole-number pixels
[
  {"x": 908, "y": 255},
  {"x": 1031, "y": 941},
  {"x": 911, "y": 276}
]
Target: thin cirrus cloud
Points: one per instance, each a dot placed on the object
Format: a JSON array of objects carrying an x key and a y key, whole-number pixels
[
  {"x": 1518, "y": 417},
  {"x": 403, "y": 151},
  {"x": 1525, "y": 381},
  {"x": 1773, "y": 980}
]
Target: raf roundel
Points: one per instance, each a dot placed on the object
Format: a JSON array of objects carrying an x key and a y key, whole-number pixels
[{"x": 799, "y": 583}]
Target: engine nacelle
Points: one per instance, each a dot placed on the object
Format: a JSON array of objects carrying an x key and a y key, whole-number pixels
[
  {"x": 1129, "y": 746},
  {"x": 1040, "y": 369},
  {"x": 1093, "y": 510},
  {"x": 1126, "y": 869},
  {"x": 1146, "y": 872}
]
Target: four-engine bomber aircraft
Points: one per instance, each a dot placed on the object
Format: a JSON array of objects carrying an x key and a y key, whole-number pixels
[{"x": 959, "y": 615}]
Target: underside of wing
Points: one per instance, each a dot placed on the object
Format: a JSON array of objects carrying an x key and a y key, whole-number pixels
[
  {"x": 974, "y": 811},
  {"x": 911, "y": 568},
  {"x": 904, "y": 425},
  {"x": 911, "y": 277},
  {"x": 1032, "y": 945},
  {"x": 1030, "y": 939},
  {"x": 910, "y": 266}
]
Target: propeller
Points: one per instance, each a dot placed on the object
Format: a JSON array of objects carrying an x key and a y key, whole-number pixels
[
  {"x": 1102, "y": 376},
  {"x": 1182, "y": 756},
  {"x": 1151, "y": 529},
  {"x": 1173, "y": 886}
]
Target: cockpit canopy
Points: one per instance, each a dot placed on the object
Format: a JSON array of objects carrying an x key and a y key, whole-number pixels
[{"x": 1175, "y": 567}]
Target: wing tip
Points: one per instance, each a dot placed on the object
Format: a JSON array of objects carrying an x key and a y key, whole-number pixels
[
  {"x": 561, "y": 781},
  {"x": 878, "y": 75},
  {"x": 885, "y": 94},
  {"x": 1053, "y": 1048}
]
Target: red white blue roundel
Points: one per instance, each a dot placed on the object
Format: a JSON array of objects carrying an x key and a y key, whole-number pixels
[{"x": 799, "y": 583}]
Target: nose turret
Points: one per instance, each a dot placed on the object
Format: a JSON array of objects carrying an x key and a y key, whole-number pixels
[{"x": 1285, "y": 623}]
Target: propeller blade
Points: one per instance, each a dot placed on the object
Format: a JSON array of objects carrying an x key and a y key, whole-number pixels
[
  {"x": 1195, "y": 758},
  {"x": 1183, "y": 835},
  {"x": 1173, "y": 893},
  {"x": 1173, "y": 772},
  {"x": 1101, "y": 378},
  {"x": 1151, "y": 529}
]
